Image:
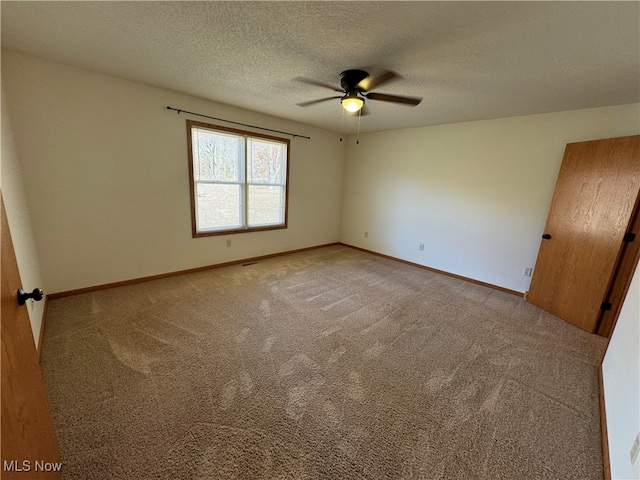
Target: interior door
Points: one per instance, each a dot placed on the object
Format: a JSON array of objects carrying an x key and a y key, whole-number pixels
[
  {"x": 29, "y": 444},
  {"x": 595, "y": 194}
]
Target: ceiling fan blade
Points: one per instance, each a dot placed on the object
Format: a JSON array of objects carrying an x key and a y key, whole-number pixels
[
  {"x": 372, "y": 82},
  {"x": 393, "y": 98},
  {"x": 317, "y": 83},
  {"x": 313, "y": 102}
]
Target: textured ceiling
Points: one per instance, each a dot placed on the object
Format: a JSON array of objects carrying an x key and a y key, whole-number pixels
[{"x": 468, "y": 60}]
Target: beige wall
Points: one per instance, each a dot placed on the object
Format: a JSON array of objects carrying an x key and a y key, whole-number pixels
[
  {"x": 475, "y": 194},
  {"x": 19, "y": 218},
  {"x": 106, "y": 177}
]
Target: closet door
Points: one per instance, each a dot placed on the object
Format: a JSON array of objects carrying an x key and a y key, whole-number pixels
[{"x": 596, "y": 190}]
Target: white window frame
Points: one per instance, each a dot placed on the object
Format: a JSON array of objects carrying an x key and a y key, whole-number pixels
[{"x": 243, "y": 181}]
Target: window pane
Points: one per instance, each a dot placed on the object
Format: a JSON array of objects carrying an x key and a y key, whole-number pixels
[
  {"x": 216, "y": 156},
  {"x": 217, "y": 206},
  {"x": 266, "y": 205},
  {"x": 267, "y": 162}
]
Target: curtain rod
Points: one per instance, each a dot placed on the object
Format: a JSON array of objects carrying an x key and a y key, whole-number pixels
[{"x": 179, "y": 110}]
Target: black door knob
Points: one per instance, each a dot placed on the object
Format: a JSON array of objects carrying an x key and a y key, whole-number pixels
[
  {"x": 23, "y": 296},
  {"x": 546, "y": 236}
]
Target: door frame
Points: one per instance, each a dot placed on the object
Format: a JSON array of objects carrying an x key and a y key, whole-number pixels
[{"x": 627, "y": 262}]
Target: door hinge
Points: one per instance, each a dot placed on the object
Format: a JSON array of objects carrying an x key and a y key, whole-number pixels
[
  {"x": 629, "y": 237},
  {"x": 606, "y": 306}
]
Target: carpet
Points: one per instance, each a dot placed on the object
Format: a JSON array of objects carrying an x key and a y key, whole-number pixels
[{"x": 325, "y": 364}]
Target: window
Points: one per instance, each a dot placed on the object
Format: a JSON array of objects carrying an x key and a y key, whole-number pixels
[{"x": 238, "y": 180}]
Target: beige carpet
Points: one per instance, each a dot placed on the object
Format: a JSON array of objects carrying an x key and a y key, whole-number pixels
[{"x": 325, "y": 364}]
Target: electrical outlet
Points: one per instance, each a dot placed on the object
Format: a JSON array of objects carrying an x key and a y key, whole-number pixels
[
  {"x": 421, "y": 247},
  {"x": 635, "y": 448},
  {"x": 366, "y": 234},
  {"x": 228, "y": 243},
  {"x": 527, "y": 271}
]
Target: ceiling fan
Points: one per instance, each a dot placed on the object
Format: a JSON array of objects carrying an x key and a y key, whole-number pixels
[{"x": 356, "y": 86}]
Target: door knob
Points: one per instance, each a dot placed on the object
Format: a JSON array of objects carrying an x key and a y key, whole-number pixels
[
  {"x": 23, "y": 296},
  {"x": 546, "y": 236}
]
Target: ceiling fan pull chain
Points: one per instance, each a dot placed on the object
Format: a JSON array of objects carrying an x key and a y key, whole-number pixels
[{"x": 359, "y": 117}]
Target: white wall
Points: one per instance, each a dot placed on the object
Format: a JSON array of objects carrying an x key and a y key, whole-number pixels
[
  {"x": 475, "y": 194},
  {"x": 106, "y": 176},
  {"x": 621, "y": 379},
  {"x": 19, "y": 218}
]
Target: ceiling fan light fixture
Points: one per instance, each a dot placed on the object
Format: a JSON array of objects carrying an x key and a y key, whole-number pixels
[
  {"x": 351, "y": 102},
  {"x": 355, "y": 90}
]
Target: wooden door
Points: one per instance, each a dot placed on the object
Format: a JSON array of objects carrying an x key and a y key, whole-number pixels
[
  {"x": 595, "y": 194},
  {"x": 29, "y": 444}
]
